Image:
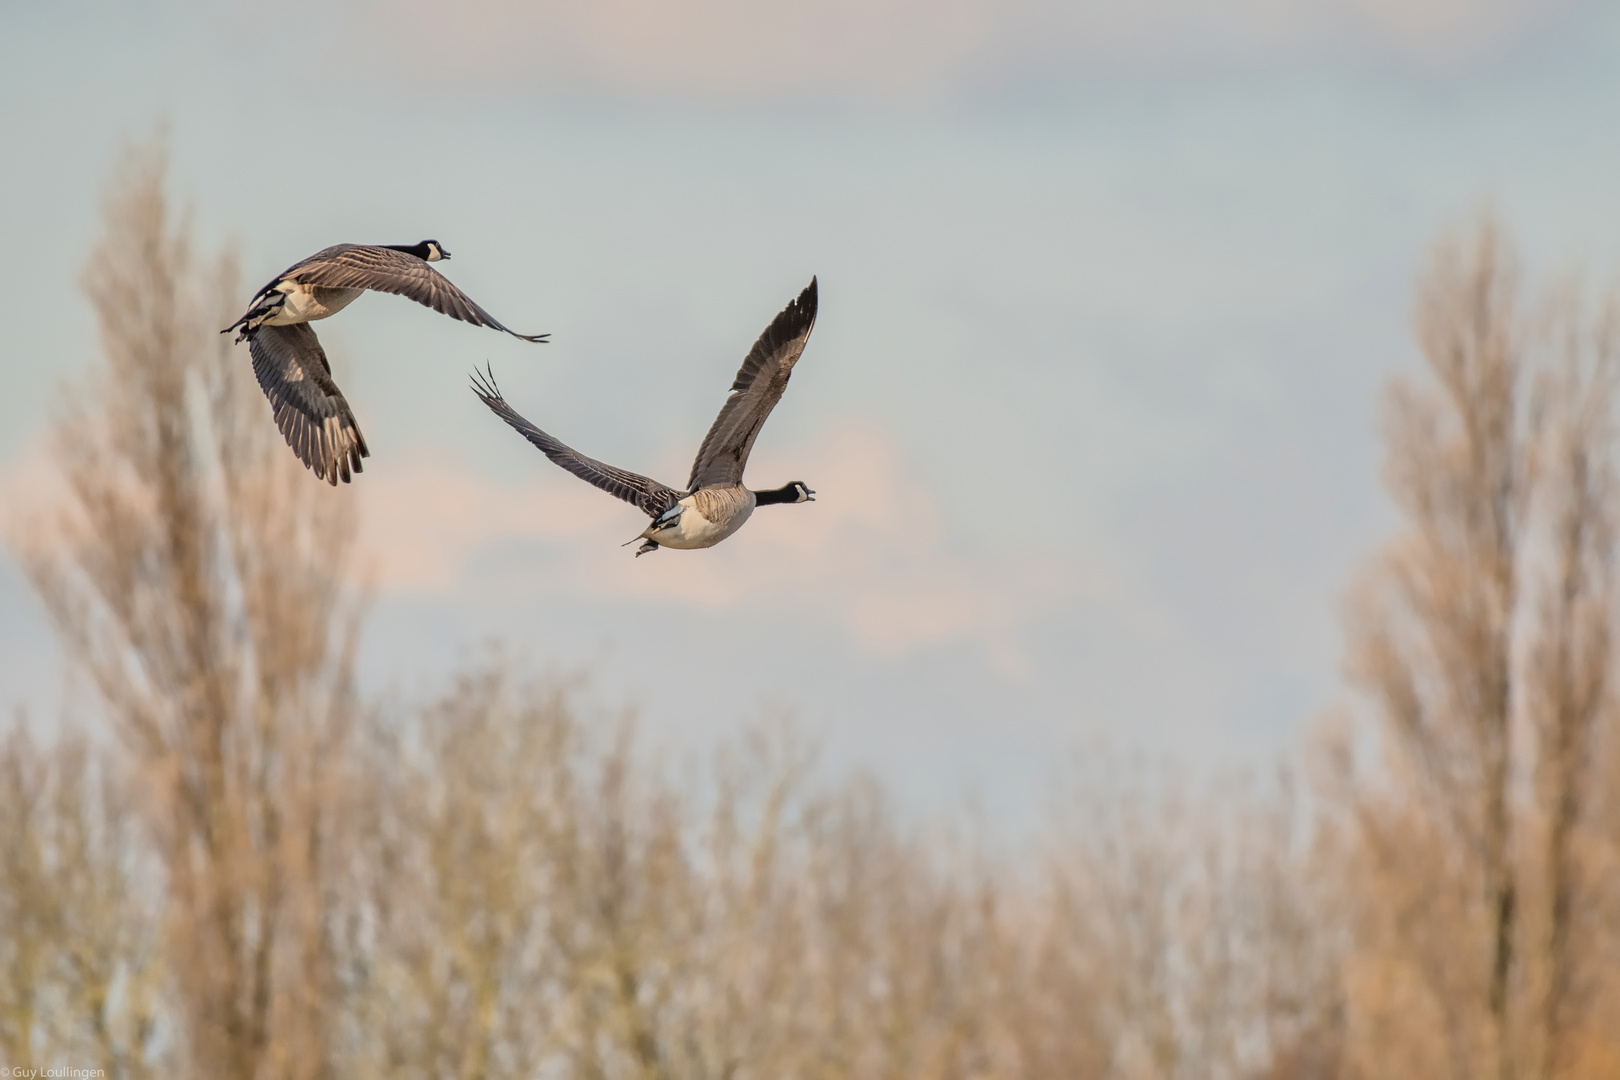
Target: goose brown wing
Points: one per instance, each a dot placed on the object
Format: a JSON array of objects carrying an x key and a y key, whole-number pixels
[
  {"x": 754, "y": 393},
  {"x": 381, "y": 269},
  {"x": 650, "y": 496},
  {"x": 310, "y": 410}
]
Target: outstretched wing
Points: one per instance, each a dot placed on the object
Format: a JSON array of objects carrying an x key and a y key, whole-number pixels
[
  {"x": 650, "y": 496},
  {"x": 310, "y": 410},
  {"x": 364, "y": 266},
  {"x": 754, "y": 393}
]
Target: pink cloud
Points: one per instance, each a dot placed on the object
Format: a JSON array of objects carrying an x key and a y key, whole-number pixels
[
  {"x": 752, "y": 50},
  {"x": 871, "y": 553},
  {"x": 29, "y": 484}
]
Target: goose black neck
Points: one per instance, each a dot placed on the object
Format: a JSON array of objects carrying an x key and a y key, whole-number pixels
[
  {"x": 787, "y": 493},
  {"x": 421, "y": 251}
]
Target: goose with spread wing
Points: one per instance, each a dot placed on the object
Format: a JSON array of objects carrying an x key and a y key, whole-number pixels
[
  {"x": 290, "y": 364},
  {"x": 715, "y": 503}
]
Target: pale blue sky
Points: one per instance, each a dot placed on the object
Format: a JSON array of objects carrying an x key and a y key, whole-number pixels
[{"x": 1091, "y": 405}]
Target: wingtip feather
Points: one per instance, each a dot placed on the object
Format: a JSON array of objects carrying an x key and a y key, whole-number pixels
[{"x": 802, "y": 312}]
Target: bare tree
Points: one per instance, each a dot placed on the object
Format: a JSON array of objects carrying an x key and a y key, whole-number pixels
[
  {"x": 81, "y": 964},
  {"x": 531, "y": 895},
  {"x": 1189, "y": 930},
  {"x": 197, "y": 578},
  {"x": 1434, "y": 644},
  {"x": 1570, "y": 660},
  {"x": 1485, "y": 636},
  {"x": 451, "y": 819}
]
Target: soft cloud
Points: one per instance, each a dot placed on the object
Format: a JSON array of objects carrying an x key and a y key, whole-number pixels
[
  {"x": 748, "y": 50},
  {"x": 871, "y": 552},
  {"x": 29, "y": 483}
]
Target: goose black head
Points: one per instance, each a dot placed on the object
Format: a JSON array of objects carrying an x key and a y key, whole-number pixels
[
  {"x": 427, "y": 250},
  {"x": 796, "y": 492}
]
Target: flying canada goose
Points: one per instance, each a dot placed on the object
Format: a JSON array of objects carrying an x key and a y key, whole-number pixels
[
  {"x": 715, "y": 503},
  {"x": 288, "y": 359}
]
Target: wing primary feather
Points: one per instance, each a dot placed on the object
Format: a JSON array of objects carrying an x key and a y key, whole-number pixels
[
  {"x": 759, "y": 385},
  {"x": 361, "y": 266},
  {"x": 309, "y": 409},
  {"x": 648, "y": 495}
]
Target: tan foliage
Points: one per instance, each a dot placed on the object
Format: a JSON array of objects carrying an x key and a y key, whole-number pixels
[
  {"x": 81, "y": 963},
  {"x": 1485, "y": 639},
  {"x": 196, "y": 579},
  {"x": 530, "y": 896}
]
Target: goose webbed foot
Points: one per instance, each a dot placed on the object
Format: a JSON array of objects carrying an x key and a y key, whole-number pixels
[{"x": 646, "y": 546}]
